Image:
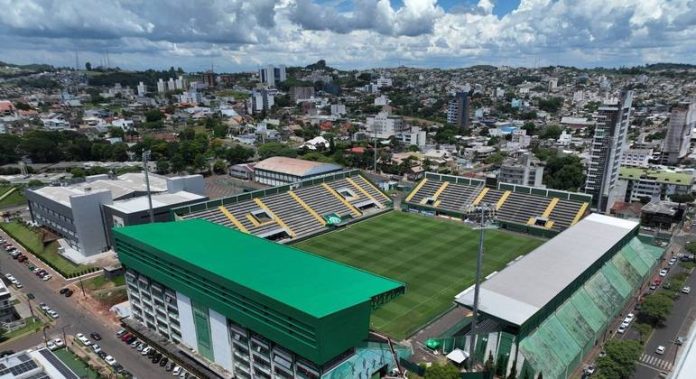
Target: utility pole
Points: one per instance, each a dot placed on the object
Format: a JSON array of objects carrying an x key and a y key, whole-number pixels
[
  {"x": 146, "y": 157},
  {"x": 375, "y": 148},
  {"x": 477, "y": 285}
]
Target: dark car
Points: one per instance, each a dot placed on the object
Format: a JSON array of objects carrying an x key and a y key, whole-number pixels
[
  {"x": 95, "y": 336},
  {"x": 164, "y": 361},
  {"x": 131, "y": 339},
  {"x": 102, "y": 354},
  {"x": 63, "y": 291},
  {"x": 126, "y": 336},
  {"x": 156, "y": 358},
  {"x": 68, "y": 293},
  {"x": 170, "y": 366}
]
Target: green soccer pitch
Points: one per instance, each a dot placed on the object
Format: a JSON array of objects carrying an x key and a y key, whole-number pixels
[{"x": 435, "y": 258}]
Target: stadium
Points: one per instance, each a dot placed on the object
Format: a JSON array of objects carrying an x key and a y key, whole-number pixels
[{"x": 430, "y": 246}]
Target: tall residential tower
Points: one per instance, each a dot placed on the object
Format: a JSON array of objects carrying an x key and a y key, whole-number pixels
[
  {"x": 681, "y": 123},
  {"x": 459, "y": 110},
  {"x": 607, "y": 148}
]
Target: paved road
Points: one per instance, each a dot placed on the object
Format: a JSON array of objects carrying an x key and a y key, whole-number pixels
[
  {"x": 75, "y": 318},
  {"x": 677, "y": 324}
]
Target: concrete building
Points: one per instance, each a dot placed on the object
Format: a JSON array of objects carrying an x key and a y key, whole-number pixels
[
  {"x": 259, "y": 101},
  {"x": 682, "y": 122},
  {"x": 7, "y": 312},
  {"x": 246, "y": 307},
  {"x": 301, "y": 93},
  {"x": 272, "y": 75},
  {"x": 459, "y": 110},
  {"x": 636, "y": 157},
  {"x": 607, "y": 149},
  {"x": 276, "y": 171},
  {"x": 34, "y": 364},
  {"x": 655, "y": 184},
  {"x": 77, "y": 213},
  {"x": 142, "y": 90},
  {"x": 526, "y": 170},
  {"x": 384, "y": 125},
  {"x": 161, "y": 86},
  {"x": 338, "y": 110},
  {"x": 413, "y": 136}
]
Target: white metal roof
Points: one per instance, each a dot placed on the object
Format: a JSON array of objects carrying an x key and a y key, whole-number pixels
[
  {"x": 138, "y": 204},
  {"x": 522, "y": 289},
  {"x": 295, "y": 167}
]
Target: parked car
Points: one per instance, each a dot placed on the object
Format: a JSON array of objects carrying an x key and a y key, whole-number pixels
[
  {"x": 18, "y": 284},
  {"x": 146, "y": 350},
  {"x": 176, "y": 371},
  {"x": 68, "y": 293},
  {"x": 170, "y": 366},
  {"x": 96, "y": 348},
  {"x": 102, "y": 354},
  {"x": 59, "y": 343},
  {"x": 660, "y": 350},
  {"x": 110, "y": 360},
  {"x": 164, "y": 361},
  {"x": 622, "y": 329},
  {"x": 51, "y": 346},
  {"x": 589, "y": 370},
  {"x": 673, "y": 261},
  {"x": 81, "y": 337},
  {"x": 120, "y": 332},
  {"x": 125, "y": 336},
  {"x": 46, "y": 277},
  {"x": 680, "y": 340},
  {"x": 63, "y": 290},
  {"x": 686, "y": 290},
  {"x": 663, "y": 272},
  {"x": 95, "y": 336}
]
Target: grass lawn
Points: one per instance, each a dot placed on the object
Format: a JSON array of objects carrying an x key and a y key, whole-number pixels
[
  {"x": 100, "y": 282},
  {"x": 79, "y": 367},
  {"x": 13, "y": 199},
  {"x": 29, "y": 328},
  {"x": 49, "y": 253},
  {"x": 435, "y": 258}
]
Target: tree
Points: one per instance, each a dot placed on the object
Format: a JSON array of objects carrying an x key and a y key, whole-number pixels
[
  {"x": 35, "y": 183},
  {"x": 656, "y": 308},
  {"x": 88, "y": 66},
  {"x": 489, "y": 365},
  {"x": 564, "y": 173},
  {"x": 153, "y": 115},
  {"x": 77, "y": 172},
  {"x": 495, "y": 159},
  {"x": 551, "y": 132},
  {"x": 276, "y": 149},
  {"x": 219, "y": 167},
  {"x": 682, "y": 198},
  {"x": 620, "y": 360},
  {"x": 162, "y": 167},
  {"x": 442, "y": 371}
]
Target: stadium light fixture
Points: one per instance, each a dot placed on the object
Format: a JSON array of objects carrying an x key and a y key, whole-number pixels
[
  {"x": 146, "y": 157},
  {"x": 486, "y": 217}
]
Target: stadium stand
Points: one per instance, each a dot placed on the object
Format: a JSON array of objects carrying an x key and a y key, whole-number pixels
[
  {"x": 547, "y": 310},
  {"x": 296, "y": 211},
  {"x": 520, "y": 208}
]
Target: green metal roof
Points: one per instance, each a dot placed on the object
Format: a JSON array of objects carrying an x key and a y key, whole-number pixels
[
  {"x": 312, "y": 284},
  {"x": 660, "y": 176}
]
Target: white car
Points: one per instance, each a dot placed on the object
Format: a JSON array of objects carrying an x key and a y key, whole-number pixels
[
  {"x": 146, "y": 350},
  {"x": 663, "y": 272},
  {"x": 18, "y": 284},
  {"x": 59, "y": 343},
  {"x": 110, "y": 360},
  {"x": 96, "y": 348},
  {"x": 9, "y": 276},
  {"x": 53, "y": 313},
  {"x": 630, "y": 317},
  {"x": 686, "y": 290},
  {"x": 624, "y": 324},
  {"x": 51, "y": 346},
  {"x": 176, "y": 371},
  {"x": 621, "y": 329},
  {"x": 673, "y": 261},
  {"x": 660, "y": 350},
  {"x": 46, "y": 278},
  {"x": 81, "y": 337}
]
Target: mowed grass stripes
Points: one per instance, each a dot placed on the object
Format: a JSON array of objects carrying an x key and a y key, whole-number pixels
[{"x": 435, "y": 258}]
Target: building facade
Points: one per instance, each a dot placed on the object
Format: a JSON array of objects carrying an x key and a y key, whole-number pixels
[
  {"x": 682, "y": 122},
  {"x": 526, "y": 170},
  {"x": 384, "y": 125},
  {"x": 636, "y": 157},
  {"x": 272, "y": 75},
  {"x": 654, "y": 184},
  {"x": 260, "y": 101},
  {"x": 242, "y": 320},
  {"x": 459, "y": 110},
  {"x": 277, "y": 171},
  {"x": 607, "y": 149}
]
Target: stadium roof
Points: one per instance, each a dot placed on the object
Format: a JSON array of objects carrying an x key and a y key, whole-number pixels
[
  {"x": 312, "y": 284},
  {"x": 139, "y": 204},
  {"x": 519, "y": 291},
  {"x": 296, "y": 167}
]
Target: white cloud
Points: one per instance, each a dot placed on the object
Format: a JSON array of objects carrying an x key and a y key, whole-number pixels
[{"x": 240, "y": 34}]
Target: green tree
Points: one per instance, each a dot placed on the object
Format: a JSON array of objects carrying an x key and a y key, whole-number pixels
[
  {"x": 88, "y": 66},
  {"x": 564, "y": 173},
  {"x": 35, "y": 183},
  {"x": 77, "y": 172},
  {"x": 276, "y": 149},
  {"x": 220, "y": 167},
  {"x": 656, "y": 308},
  {"x": 620, "y": 359},
  {"x": 442, "y": 371},
  {"x": 495, "y": 159},
  {"x": 153, "y": 115},
  {"x": 551, "y": 132},
  {"x": 116, "y": 132},
  {"x": 682, "y": 198},
  {"x": 162, "y": 167}
]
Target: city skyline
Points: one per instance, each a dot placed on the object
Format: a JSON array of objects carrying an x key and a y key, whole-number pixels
[{"x": 241, "y": 36}]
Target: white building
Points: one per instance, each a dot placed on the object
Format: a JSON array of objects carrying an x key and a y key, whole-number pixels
[
  {"x": 338, "y": 109},
  {"x": 384, "y": 125},
  {"x": 55, "y": 123},
  {"x": 123, "y": 124},
  {"x": 179, "y": 83},
  {"x": 171, "y": 84},
  {"x": 682, "y": 121},
  {"x": 608, "y": 145},
  {"x": 161, "y": 86},
  {"x": 381, "y": 100},
  {"x": 413, "y": 136},
  {"x": 142, "y": 90},
  {"x": 272, "y": 75},
  {"x": 259, "y": 101},
  {"x": 636, "y": 157}
]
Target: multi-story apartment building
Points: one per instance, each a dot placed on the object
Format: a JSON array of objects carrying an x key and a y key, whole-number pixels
[
  {"x": 682, "y": 122},
  {"x": 654, "y": 184},
  {"x": 384, "y": 125},
  {"x": 636, "y": 157},
  {"x": 607, "y": 148},
  {"x": 459, "y": 110},
  {"x": 272, "y": 75},
  {"x": 526, "y": 171},
  {"x": 251, "y": 308}
]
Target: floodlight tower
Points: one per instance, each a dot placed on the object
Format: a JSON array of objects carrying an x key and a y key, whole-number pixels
[{"x": 487, "y": 215}]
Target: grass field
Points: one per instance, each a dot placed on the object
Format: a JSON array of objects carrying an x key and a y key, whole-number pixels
[
  {"x": 435, "y": 258},
  {"x": 12, "y": 199}
]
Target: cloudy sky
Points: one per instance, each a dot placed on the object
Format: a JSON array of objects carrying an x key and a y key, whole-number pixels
[{"x": 237, "y": 35}]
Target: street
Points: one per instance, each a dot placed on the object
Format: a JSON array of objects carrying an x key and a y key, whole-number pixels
[{"x": 74, "y": 318}]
